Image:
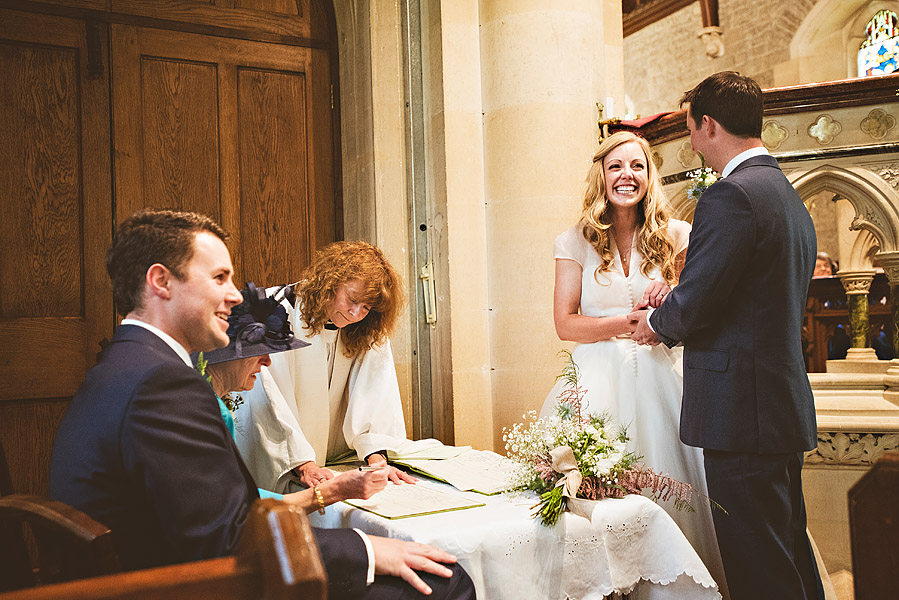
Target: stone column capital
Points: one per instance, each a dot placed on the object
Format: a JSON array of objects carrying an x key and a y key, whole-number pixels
[
  {"x": 890, "y": 263},
  {"x": 856, "y": 282}
]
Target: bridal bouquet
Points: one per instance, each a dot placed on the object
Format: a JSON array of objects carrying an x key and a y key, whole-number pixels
[
  {"x": 700, "y": 180},
  {"x": 583, "y": 456}
]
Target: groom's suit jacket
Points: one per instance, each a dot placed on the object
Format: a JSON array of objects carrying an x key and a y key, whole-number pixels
[
  {"x": 144, "y": 450},
  {"x": 738, "y": 310}
]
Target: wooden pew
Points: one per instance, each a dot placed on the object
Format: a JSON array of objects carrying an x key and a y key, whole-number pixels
[
  {"x": 874, "y": 529},
  {"x": 66, "y": 543},
  {"x": 277, "y": 558}
]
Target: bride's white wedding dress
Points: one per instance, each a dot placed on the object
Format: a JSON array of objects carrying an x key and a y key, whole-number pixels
[{"x": 640, "y": 387}]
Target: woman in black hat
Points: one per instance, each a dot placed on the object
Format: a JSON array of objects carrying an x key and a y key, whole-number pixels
[{"x": 257, "y": 328}]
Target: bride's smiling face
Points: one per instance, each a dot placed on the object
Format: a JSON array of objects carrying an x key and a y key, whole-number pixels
[{"x": 625, "y": 172}]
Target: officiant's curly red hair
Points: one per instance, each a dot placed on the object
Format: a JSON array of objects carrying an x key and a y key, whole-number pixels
[{"x": 339, "y": 263}]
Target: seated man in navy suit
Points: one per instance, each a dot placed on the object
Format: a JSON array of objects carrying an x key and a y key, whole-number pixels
[{"x": 143, "y": 447}]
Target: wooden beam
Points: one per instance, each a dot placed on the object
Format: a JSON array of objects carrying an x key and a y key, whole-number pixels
[{"x": 650, "y": 11}]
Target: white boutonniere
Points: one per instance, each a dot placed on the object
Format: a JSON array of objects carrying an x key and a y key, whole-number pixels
[{"x": 700, "y": 180}]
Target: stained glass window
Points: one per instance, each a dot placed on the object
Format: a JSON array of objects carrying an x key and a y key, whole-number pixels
[{"x": 879, "y": 53}]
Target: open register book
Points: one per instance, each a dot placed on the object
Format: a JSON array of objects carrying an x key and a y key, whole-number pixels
[
  {"x": 398, "y": 501},
  {"x": 465, "y": 469}
]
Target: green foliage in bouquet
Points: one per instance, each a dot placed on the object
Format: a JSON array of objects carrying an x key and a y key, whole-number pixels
[{"x": 582, "y": 455}]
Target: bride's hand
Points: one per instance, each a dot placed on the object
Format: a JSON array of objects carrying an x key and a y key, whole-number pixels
[{"x": 655, "y": 294}]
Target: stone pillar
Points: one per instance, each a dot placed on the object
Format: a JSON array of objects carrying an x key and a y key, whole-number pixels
[
  {"x": 544, "y": 66},
  {"x": 857, "y": 284},
  {"x": 890, "y": 263}
]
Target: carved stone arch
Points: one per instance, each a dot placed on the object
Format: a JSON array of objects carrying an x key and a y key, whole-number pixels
[
  {"x": 680, "y": 205},
  {"x": 861, "y": 255},
  {"x": 837, "y": 26},
  {"x": 872, "y": 198}
]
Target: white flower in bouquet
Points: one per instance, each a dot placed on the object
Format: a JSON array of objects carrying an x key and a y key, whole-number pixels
[
  {"x": 581, "y": 455},
  {"x": 700, "y": 179}
]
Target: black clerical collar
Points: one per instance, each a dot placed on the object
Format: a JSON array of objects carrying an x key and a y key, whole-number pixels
[{"x": 330, "y": 326}]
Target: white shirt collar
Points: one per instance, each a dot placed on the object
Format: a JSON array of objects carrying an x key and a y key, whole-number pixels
[
  {"x": 741, "y": 157},
  {"x": 174, "y": 345}
]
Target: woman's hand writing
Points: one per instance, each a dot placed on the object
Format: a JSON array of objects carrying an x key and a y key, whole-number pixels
[{"x": 356, "y": 484}]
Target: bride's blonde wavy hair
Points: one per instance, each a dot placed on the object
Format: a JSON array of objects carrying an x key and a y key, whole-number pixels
[{"x": 653, "y": 241}]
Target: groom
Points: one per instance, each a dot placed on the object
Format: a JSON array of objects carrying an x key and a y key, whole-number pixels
[{"x": 738, "y": 311}]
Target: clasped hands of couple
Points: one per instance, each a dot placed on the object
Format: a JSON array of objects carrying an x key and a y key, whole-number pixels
[{"x": 655, "y": 294}]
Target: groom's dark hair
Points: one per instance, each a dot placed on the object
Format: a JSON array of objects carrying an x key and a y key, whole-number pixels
[
  {"x": 147, "y": 237},
  {"x": 731, "y": 99}
]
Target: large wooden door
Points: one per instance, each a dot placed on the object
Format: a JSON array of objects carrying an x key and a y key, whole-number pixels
[
  {"x": 228, "y": 128},
  {"x": 202, "y": 117},
  {"x": 55, "y": 223}
]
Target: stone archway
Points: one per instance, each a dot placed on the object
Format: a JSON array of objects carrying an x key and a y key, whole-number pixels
[
  {"x": 682, "y": 207},
  {"x": 827, "y": 40},
  {"x": 863, "y": 252},
  {"x": 874, "y": 201}
]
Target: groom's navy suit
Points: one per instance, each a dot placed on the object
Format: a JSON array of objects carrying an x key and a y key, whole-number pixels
[
  {"x": 144, "y": 450},
  {"x": 738, "y": 310}
]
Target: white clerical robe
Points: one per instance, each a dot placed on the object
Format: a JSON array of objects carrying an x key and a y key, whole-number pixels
[{"x": 286, "y": 418}]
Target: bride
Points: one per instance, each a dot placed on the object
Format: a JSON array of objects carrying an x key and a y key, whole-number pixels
[{"x": 625, "y": 252}]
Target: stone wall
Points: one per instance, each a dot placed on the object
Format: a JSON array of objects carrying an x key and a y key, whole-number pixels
[{"x": 663, "y": 60}]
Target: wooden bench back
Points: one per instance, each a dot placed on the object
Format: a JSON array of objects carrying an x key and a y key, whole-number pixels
[
  {"x": 68, "y": 544},
  {"x": 277, "y": 559}
]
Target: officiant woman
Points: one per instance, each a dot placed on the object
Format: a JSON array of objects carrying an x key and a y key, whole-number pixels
[
  {"x": 257, "y": 329},
  {"x": 340, "y": 396}
]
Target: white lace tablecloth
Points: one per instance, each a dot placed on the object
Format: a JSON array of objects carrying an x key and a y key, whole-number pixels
[{"x": 627, "y": 546}]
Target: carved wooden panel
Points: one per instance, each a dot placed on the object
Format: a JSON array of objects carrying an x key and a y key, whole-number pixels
[
  {"x": 56, "y": 207},
  {"x": 236, "y": 129},
  {"x": 27, "y": 431},
  {"x": 273, "y": 179},
  {"x": 179, "y": 145},
  {"x": 55, "y": 301},
  {"x": 40, "y": 245},
  {"x": 177, "y": 125}
]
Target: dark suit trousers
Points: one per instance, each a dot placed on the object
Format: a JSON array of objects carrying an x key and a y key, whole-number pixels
[
  {"x": 457, "y": 587},
  {"x": 763, "y": 541}
]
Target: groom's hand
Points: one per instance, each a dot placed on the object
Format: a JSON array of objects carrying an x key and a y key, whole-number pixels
[{"x": 642, "y": 334}]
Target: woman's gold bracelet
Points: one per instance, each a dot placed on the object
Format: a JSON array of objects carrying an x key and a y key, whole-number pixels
[{"x": 319, "y": 499}]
